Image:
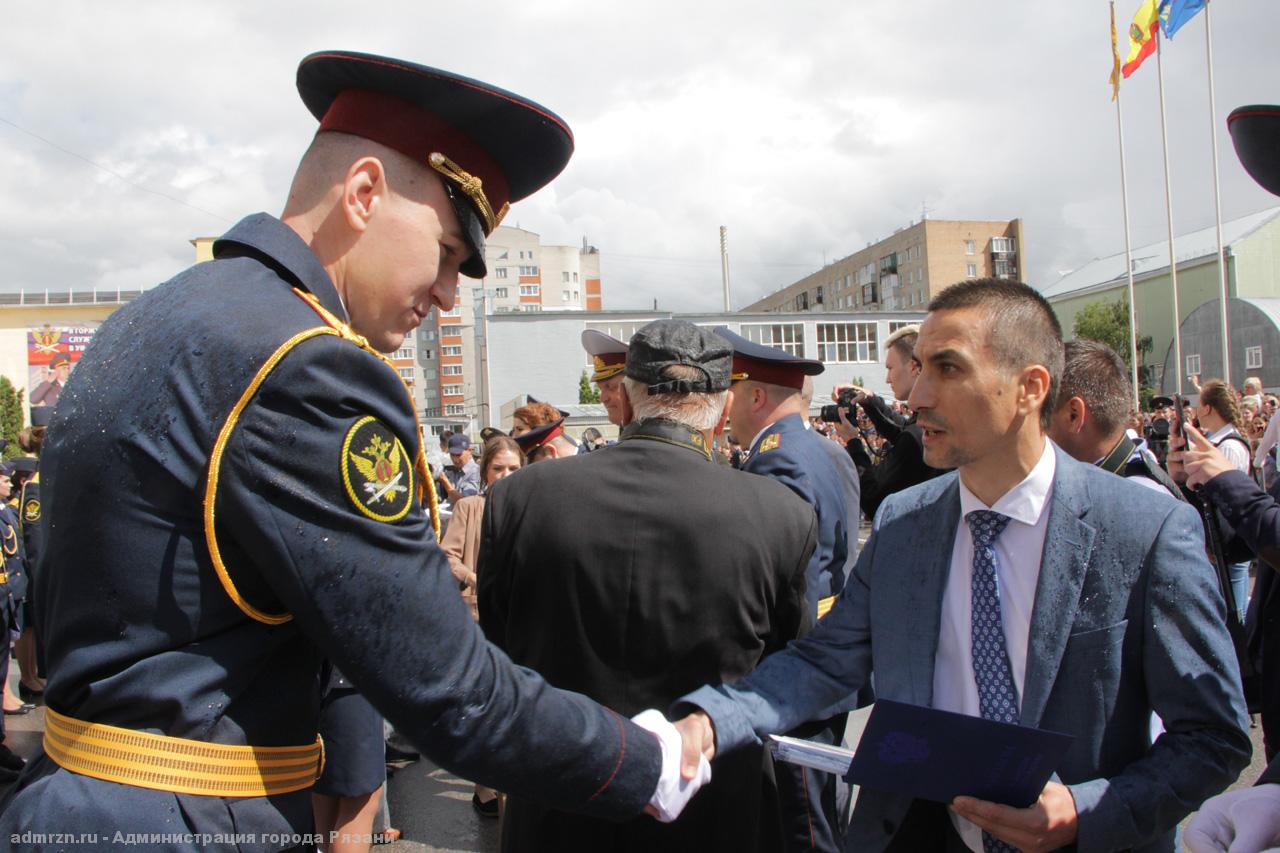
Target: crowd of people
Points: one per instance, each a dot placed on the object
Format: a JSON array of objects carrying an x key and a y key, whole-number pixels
[{"x": 602, "y": 636}]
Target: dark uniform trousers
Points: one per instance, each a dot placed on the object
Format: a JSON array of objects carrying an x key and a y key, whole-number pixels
[
  {"x": 633, "y": 574},
  {"x": 262, "y": 466},
  {"x": 824, "y": 476}
]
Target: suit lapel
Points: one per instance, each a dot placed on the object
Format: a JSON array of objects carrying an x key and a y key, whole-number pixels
[
  {"x": 930, "y": 564},
  {"x": 1068, "y": 543}
]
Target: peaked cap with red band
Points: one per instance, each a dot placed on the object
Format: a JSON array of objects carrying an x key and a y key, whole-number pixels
[
  {"x": 1255, "y": 132},
  {"x": 490, "y": 147},
  {"x": 539, "y": 436},
  {"x": 770, "y": 365}
]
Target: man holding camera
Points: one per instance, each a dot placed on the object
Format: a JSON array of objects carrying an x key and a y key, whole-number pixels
[{"x": 904, "y": 464}]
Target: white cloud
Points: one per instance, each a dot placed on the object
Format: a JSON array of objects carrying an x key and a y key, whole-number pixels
[{"x": 808, "y": 130}]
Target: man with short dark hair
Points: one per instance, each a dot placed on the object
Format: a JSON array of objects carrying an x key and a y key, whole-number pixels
[
  {"x": 636, "y": 574},
  {"x": 1025, "y": 588},
  {"x": 1092, "y": 414}
]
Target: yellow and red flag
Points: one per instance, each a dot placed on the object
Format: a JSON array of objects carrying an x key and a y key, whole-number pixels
[
  {"x": 1143, "y": 33},
  {"x": 1115, "y": 56}
]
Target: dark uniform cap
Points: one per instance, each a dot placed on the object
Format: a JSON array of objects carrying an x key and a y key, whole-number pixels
[
  {"x": 60, "y": 358},
  {"x": 1161, "y": 402},
  {"x": 538, "y": 436},
  {"x": 668, "y": 343},
  {"x": 492, "y": 147},
  {"x": 40, "y": 415},
  {"x": 770, "y": 365},
  {"x": 608, "y": 354},
  {"x": 6, "y": 469},
  {"x": 1255, "y": 132},
  {"x": 24, "y": 464}
]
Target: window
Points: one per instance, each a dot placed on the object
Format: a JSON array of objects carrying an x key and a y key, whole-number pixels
[
  {"x": 522, "y": 256},
  {"x": 451, "y": 390},
  {"x": 500, "y": 272},
  {"x": 528, "y": 270},
  {"x": 500, "y": 292},
  {"x": 426, "y": 354},
  {"x": 530, "y": 308},
  {"x": 846, "y": 342},
  {"x": 786, "y": 336},
  {"x": 576, "y": 296},
  {"x": 451, "y": 370},
  {"x": 564, "y": 276},
  {"x": 406, "y": 373},
  {"x": 971, "y": 270},
  {"x": 446, "y": 331},
  {"x": 968, "y": 247},
  {"x": 1002, "y": 245},
  {"x": 451, "y": 350},
  {"x": 530, "y": 289},
  {"x": 403, "y": 353},
  {"x": 455, "y": 409},
  {"x": 895, "y": 325},
  {"x": 575, "y": 278},
  {"x": 455, "y": 312},
  {"x": 564, "y": 295},
  {"x": 1193, "y": 365},
  {"x": 1252, "y": 358}
]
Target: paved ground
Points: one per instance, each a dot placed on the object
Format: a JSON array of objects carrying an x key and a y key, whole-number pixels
[{"x": 432, "y": 808}]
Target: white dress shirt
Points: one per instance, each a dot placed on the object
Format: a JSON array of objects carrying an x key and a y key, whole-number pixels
[
  {"x": 1237, "y": 454},
  {"x": 1018, "y": 553}
]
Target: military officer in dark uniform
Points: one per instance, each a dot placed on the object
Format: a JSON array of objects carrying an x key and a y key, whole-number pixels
[
  {"x": 12, "y": 586},
  {"x": 769, "y": 410},
  {"x": 609, "y": 360},
  {"x": 265, "y": 469},
  {"x": 628, "y": 574}
]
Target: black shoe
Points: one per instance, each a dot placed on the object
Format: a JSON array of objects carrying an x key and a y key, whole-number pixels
[
  {"x": 26, "y": 708},
  {"x": 26, "y": 694},
  {"x": 9, "y": 760},
  {"x": 489, "y": 809},
  {"x": 400, "y": 756}
]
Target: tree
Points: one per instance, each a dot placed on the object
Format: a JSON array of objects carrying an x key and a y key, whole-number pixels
[
  {"x": 586, "y": 392},
  {"x": 1108, "y": 323},
  {"x": 10, "y": 416}
]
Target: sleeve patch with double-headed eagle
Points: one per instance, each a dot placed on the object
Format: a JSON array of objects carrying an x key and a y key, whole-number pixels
[
  {"x": 376, "y": 471},
  {"x": 31, "y": 510}
]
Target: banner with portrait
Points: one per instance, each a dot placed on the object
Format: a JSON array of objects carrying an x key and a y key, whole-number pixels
[{"x": 52, "y": 353}]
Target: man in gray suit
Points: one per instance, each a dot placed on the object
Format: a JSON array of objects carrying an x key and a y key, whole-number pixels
[{"x": 1024, "y": 587}]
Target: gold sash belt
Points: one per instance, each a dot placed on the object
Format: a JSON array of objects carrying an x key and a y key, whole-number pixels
[
  {"x": 825, "y": 605},
  {"x": 182, "y": 766}
]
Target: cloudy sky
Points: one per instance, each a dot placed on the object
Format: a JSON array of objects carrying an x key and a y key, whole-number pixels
[{"x": 809, "y": 129}]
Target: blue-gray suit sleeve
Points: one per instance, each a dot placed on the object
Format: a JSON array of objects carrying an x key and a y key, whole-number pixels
[
  {"x": 1193, "y": 684},
  {"x": 813, "y": 678}
]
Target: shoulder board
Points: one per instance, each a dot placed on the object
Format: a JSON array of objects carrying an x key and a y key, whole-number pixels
[{"x": 771, "y": 442}]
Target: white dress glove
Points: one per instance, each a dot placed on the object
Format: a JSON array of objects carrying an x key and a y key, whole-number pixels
[
  {"x": 1243, "y": 821},
  {"x": 673, "y": 792}
]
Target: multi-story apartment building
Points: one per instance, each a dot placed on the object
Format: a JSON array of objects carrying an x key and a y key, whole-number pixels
[
  {"x": 524, "y": 276},
  {"x": 904, "y": 270}
]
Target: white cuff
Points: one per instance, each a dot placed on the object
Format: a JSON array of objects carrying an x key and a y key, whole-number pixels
[{"x": 673, "y": 792}]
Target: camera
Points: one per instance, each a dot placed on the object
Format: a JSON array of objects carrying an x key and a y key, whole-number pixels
[{"x": 831, "y": 414}]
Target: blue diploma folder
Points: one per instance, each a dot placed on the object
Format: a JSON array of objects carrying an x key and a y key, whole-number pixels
[{"x": 940, "y": 755}]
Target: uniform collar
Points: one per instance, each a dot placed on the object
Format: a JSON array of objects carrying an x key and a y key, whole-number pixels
[
  {"x": 783, "y": 424},
  {"x": 668, "y": 432},
  {"x": 286, "y": 252}
]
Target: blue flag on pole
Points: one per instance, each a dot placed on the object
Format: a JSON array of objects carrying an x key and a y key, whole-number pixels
[{"x": 1175, "y": 13}]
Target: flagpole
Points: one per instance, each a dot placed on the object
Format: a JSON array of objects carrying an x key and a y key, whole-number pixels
[
  {"x": 1168, "y": 200},
  {"x": 1217, "y": 199},
  {"x": 1128, "y": 252}
]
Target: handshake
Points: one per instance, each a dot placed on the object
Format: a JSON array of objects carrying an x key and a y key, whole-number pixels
[{"x": 687, "y": 749}]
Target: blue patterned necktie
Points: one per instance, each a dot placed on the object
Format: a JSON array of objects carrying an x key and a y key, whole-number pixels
[{"x": 997, "y": 697}]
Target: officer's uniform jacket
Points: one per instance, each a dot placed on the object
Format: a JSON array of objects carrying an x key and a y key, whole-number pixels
[
  {"x": 627, "y": 574},
  {"x": 232, "y": 494},
  {"x": 799, "y": 459}
]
